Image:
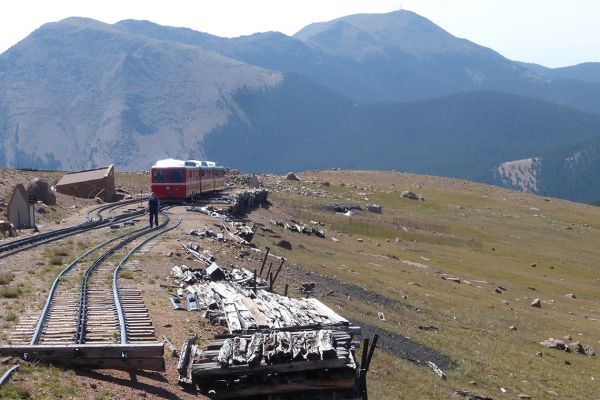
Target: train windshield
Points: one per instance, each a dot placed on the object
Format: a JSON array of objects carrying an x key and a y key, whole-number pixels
[
  {"x": 159, "y": 176},
  {"x": 168, "y": 176}
]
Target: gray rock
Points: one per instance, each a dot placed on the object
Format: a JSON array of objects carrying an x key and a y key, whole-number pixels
[
  {"x": 292, "y": 177},
  {"x": 42, "y": 190},
  {"x": 571, "y": 295},
  {"x": 407, "y": 194},
  {"x": 589, "y": 350},
  {"x": 576, "y": 347},
  {"x": 536, "y": 303},
  {"x": 555, "y": 344}
]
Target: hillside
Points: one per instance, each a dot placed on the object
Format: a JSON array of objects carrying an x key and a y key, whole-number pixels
[
  {"x": 465, "y": 135},
  {"x": 391, "y": 57},
  {"x": 80, "y": 93},
  {"x": 453, "y": 275}
]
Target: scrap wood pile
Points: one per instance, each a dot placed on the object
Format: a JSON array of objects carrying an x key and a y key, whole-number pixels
[
  {"x": 275, "y": 344},
  {"x": 295, "y": 227}
]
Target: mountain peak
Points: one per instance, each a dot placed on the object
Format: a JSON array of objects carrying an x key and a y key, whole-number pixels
[{"x": 402, "y": 30}]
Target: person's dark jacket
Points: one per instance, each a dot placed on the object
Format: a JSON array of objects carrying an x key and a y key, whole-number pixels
[{"x": 153, "y": 205}]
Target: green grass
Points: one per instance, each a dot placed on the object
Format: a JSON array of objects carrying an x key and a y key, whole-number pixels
[
  {"x": 6, "y": 278},
  {"x": 10, "y": 292},
  {"x": 11, "y": 317},
  {"x": 454, "y": 232},
  {"x": 126, "y": 275}
]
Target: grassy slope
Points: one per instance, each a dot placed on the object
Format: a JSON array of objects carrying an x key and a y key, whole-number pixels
[{"x": 487, "y": 237}]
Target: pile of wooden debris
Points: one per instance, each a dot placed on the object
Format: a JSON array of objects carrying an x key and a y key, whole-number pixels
[{"x": 275, "y": 344}]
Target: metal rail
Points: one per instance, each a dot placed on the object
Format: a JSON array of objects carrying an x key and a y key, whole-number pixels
[
  {"x": 28, "y": 243},
  {"x": 82, "y": 306},
  {"x": 44, "y": 315},
  {"x": 19, "y": 245},
  {"x": 117, "y": 299},
  {"x": 5, "y": 378}
]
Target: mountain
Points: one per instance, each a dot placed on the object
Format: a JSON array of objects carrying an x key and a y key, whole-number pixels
[
  {"x": 299, "y": 125},
  {"x": 393, "y": 57},
  {"x": 80, "y": 93},
  {"x": 585, "y": 72},
  {"x": 387, "y": 91}
]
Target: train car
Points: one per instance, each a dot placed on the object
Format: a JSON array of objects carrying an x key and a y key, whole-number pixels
[{"x": 185, "y": 179}]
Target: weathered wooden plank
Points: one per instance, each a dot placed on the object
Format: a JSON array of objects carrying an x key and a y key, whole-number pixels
[
  {"x": 213, "y": 369},
  {"x": 64, "y": 351},
  {"x": 305, "y": 385}
]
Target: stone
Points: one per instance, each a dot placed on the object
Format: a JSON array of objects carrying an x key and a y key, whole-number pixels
[
  {"x": 555, "y": 344},
  {"x": 42, "y": 190},
  {"x": 576, "y": 347},
  {"x": 497, "y": 290},
  {"x": 292, "y": 177},
  {"x": 536, "y": 303},
  {"x": 589, "y": 350},
  {"x": 568, "y": 338},
  {"x": 407, "y": 194},
  {"x": 524, "y": 396},
  {"x": 512, "y": 328},
  {"x": 571, "y": 295}
]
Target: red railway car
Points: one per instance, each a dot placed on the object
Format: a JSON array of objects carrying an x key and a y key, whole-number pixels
[{"x": 185, "y": 179}]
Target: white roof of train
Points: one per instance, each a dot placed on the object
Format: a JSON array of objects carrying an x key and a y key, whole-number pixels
[{"x": 174, "y": 163}]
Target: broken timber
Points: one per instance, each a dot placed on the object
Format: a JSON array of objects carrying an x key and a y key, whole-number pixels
[
  {"x": 148, "y": 356},
  {"x": 275, "y": 344}
]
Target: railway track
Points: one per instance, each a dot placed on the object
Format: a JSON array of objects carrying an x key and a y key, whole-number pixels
[
  {"x": 91, "y": 318},
  {"x": 100, "y": 221}
]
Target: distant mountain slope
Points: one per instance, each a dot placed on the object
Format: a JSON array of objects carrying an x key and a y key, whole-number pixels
[
  {"x": 585, "y": 72},
  {"x": 80, "y": 93},
  {"x": 302, "y": 126},
  {"x": 392, "y": 57}
]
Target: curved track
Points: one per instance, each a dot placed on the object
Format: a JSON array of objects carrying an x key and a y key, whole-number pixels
[
  {"x": 18, "y": 245},
  {"x": 87, "y": 305}
]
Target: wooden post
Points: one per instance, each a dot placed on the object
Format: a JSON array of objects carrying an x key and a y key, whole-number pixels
[
  {"x": 371, "y": 351},
  {"x": 271, "y": 281},
  {"x": 264, "y": 261},
  {"x": 285, "y": 293},
  {"x": 254, "y": 282},
  {"x": 269, "y": 270},
  {"x": 279, "y": 269}
]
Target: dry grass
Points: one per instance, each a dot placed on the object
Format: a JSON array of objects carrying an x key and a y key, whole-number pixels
[
  {"x": 6, "y": 278},
  {"x": 485, "y": 236}
]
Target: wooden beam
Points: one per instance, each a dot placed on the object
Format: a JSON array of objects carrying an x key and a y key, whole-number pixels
[{"x": 305, "y": 385}]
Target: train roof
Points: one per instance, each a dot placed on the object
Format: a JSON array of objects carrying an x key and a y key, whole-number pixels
[{"x": 174, "y": 163}]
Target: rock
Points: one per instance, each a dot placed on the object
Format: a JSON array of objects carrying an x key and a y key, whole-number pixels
[
  {"x": 524, "y": 396},
  {"x": 407, "y": 194},
  {"x": 533, "y": 265},
  {"x": 568, "y": 338},
  {"x": 589, "y": 350},
  {"x": 536, "y": 303},
  {"x": 539, "y": 354},
  {"x": 555, "y": 344},
  {"x": 284, "y": 244},
  {"x": 93, "y": 386},
  {"x": 567, "y": 362},
  {"x": 292, "y": 177},
  {"x": 571, "y": 295},
  {"x": 512, "y": 328},
  {"x": 374, "y": 208},
  {"x": 497, "y": 290},
  {"x": 326, "y": 184},
  {"x": 576, "y": 347},
  {"x": 42, "y": 190}
]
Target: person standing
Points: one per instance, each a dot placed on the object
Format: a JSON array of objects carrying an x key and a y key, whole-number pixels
[{"x": 153, "y": 207}]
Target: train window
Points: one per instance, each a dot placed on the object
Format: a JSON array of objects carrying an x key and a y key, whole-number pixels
[
  {"x": 159, "y": 176},
  {"x": 176, "y": 176}
]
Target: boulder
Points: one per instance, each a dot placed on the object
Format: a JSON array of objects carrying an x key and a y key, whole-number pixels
[
  {"x": 536, "y": 303},
  {"x": 407, "y": 194},
  {"x": 42, "y": 190},
  {"x": 555, "y": 344},
  {"x": 292, "y": 177},
  {"x": 576, "y": 347},
  {"x": 589, "y": 350}
]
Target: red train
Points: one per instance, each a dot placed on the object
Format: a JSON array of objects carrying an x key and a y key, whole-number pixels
[{"x": 185, "y": 179}]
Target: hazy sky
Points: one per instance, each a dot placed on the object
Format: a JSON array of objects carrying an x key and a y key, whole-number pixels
[{"x": 548, "y": 32}]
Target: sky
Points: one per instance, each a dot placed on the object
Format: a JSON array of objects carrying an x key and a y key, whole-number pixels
[{"x": 548, "y": 32}]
